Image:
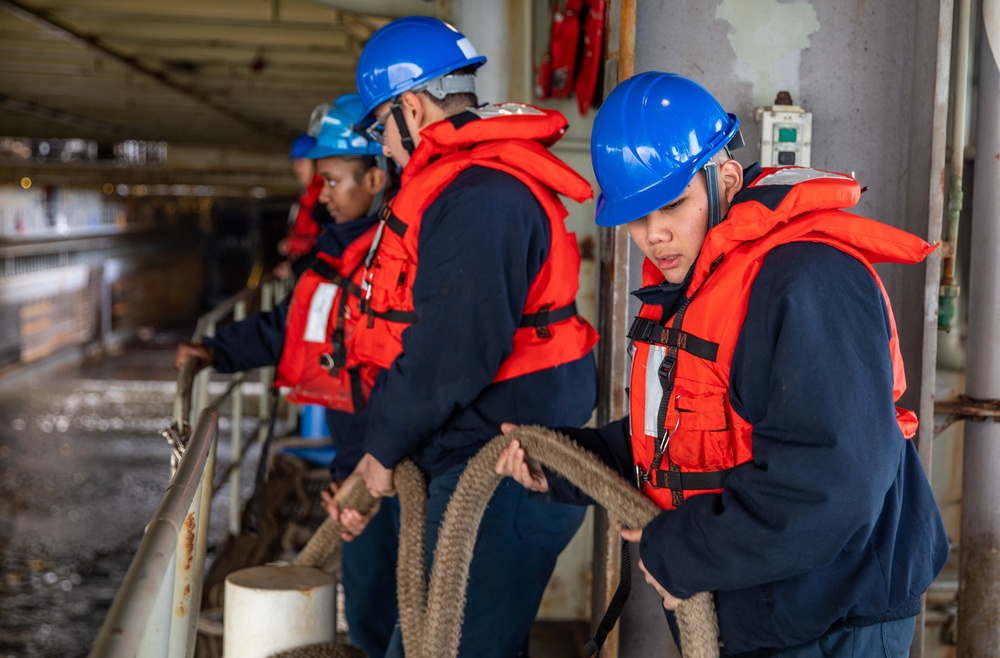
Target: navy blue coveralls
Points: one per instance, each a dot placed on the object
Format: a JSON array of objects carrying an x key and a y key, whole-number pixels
[{"x": 846, "y": 513}]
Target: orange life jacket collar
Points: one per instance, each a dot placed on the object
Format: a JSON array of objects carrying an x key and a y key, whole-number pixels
[
  {"x": 685, "y": 436},
  {"x": 510, "y": 138}
]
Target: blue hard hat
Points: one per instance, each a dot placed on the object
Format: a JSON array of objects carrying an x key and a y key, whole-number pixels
[
  {"x": 301, "y": 146},
  {"x": 652, "y": 135},
  {"x": 407, "y": 53},
  {"x": 334, "y": 133}
]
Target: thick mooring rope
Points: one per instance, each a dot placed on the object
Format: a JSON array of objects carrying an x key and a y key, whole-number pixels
[
  {"x": 323, "y": 552},
  {"x": 431, "y": 622},
  {"x": 321, "y": 650},
  {"x": 446, "y": 600}
]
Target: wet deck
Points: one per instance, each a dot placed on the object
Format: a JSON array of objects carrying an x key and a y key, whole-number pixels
[{"x": 82, "y": 468}]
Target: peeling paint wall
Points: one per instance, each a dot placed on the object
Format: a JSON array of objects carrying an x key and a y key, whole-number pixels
[
  {"x": 864, "y": 69},
  {"x": 767, "y": 62}
]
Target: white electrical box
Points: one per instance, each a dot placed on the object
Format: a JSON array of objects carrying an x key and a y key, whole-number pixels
[{"x": 785, "y": 134}]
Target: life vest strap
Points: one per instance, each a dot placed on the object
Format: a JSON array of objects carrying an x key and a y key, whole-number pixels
[
  {"x": 357, "y": 393},
  {"x": 650, "y": 331},
  {"x": 546, "y": 316},
  {"x": 592, "y": 649},
  {"x": 325, "y": 270},
  {"x": 392, "y": 315},
  {"x": 393, "y": 223},
  {"x": 687, "y": 480}
]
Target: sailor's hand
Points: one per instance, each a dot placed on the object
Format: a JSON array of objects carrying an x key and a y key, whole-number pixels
[
  {"x": 202, "y": 355},
  {"x": 377, "y": 477},
  {"x": 283, "y": 270},
  {"x": 669, "y": 600},
  {"x": 515, "y": 464},
  {"x": 354, "y": 521}
]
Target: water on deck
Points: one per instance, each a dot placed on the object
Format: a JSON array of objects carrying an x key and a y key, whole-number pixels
[{"x": 82, "y": 468}]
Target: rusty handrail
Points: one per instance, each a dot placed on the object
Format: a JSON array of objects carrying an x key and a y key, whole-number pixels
[
  {"x": 175, "y": 523},
  {"x": 156, "y": 609}
]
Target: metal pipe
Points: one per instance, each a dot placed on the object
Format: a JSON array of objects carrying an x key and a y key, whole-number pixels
[
  {"x": 182, "y": 398},
  {"x": 979, "y": 545},
  {"x": 132, "y": 610},
  {"x": 180, "y": 619},
  {"x": 196, "y": 574},
  {"x": 613, "y": 312},
  {"x": 266, "y": 374},
  {"x": 391, "y": 8},
  {"x": 932, "y": 271},
  {"x": 236, "y": 441},
  {"x": 202, "y": 379},
  {"x": 948, "y": 291}
]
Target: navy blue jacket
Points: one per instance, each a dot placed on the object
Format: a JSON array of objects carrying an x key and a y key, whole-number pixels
[
  {"x": 259, "y": 340},
  {"x": 833, "y": 522},
  {"x": 481, "y": 243}
]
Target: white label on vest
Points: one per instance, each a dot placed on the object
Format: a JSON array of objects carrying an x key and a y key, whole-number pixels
[
  {"x": 654, "y": 392},
  {"x": 319, "y": 313}
]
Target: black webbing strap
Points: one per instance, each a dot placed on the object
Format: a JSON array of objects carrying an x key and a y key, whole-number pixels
[
  {"x": 712, "y": 184},
  {"x": 545, "y": 316},
  {"x": 687, "y": 481},
  {"x": 665, "y": 373},
  {"x": 392, "y": 315},
  {"x": 403, "y": 317},
  {"x": 462, "y": 118},
  {"x": 261, "y": 474},
  {"x": 592, "y": 649},
  {"x": 393, "y": 223},
  {"x": 404, "y": 131},
  {"x": 650, "y": 331},
  {"x": 357, "y": 395},
  {"x": 325, "y": 270}
]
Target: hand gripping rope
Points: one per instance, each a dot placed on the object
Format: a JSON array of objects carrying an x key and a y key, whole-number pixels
[{"x": 431, "y": 620}]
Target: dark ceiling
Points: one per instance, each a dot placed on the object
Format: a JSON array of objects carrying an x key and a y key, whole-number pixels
[{"x": 244, "y": 73}]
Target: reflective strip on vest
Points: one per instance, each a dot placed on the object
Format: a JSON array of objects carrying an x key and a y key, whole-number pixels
[
  {"x": 319, "y": 313},
  {"x": 796, "y": 175},
  {"x": 654, "y": 392}
]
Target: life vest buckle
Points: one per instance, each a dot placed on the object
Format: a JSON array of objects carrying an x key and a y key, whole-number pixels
[
  {"x": 328, "y": 362},
  {"x": 668, "y": 366},
  {"x": 642, "y": 477}
]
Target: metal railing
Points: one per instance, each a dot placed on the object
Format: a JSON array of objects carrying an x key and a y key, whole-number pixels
[{"x": 156, "y": 610}]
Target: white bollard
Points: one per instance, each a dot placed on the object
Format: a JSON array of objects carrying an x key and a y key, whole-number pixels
[{"x": 275, "y": 608}]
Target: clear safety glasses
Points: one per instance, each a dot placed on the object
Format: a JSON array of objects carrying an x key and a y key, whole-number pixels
[
  {"x": 316, "y": 119},
  {"x": 376, "y": 131}
]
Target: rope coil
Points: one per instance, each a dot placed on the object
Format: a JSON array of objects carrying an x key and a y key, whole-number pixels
[
  {"x": 431, "y": 618},
  {"x": 699, "y": 628}
]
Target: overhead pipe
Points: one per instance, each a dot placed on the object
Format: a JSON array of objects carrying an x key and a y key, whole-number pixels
[
  {"x": 55, "y": 26},
  {"x": 949, "y": 289},
  {"x": 388, "y": 8},
  {"x": 979, "y": 549}
]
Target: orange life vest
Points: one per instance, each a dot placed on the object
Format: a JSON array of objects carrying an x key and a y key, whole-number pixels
[
  {"x": 322, "y": 315},
  {"x": 686, "y": 438},
  {"x": 511, "y": 138},
  {"x": 304, "y": 230}
]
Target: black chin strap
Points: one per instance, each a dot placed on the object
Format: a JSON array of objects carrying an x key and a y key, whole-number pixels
[
  {"x": 714, "y": 207},
  {"x": 383, "y": 163},
  {"x": 404, "y": 132}
]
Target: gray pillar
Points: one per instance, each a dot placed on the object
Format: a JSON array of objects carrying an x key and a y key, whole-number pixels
[{"x": 979, "y": 581}]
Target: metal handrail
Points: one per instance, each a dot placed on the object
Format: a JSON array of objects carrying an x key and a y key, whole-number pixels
[
  {"x": 126, "y": 624},
  {"x": 154, "y": 614}
]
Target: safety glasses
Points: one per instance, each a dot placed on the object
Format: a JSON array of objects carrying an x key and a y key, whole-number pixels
[
  {"x": 316, "y": 119},
  {"x": 376, "y": 131}
]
